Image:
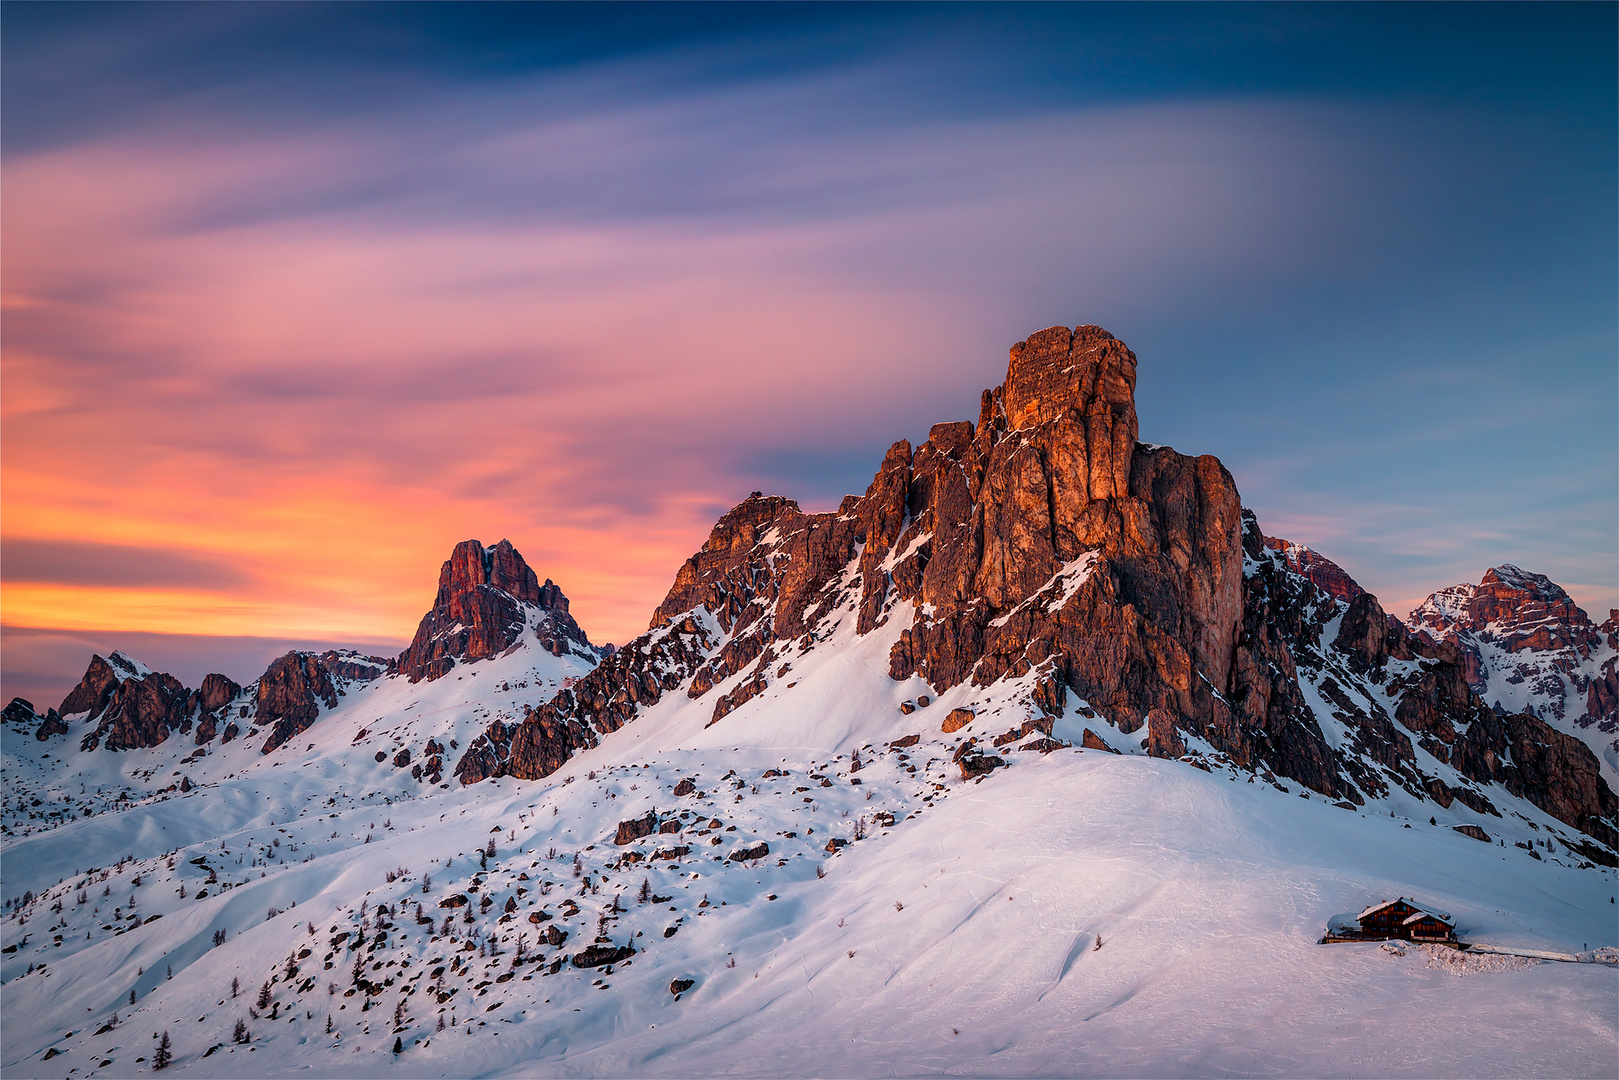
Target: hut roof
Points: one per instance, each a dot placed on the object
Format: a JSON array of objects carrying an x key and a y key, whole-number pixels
[
  {"x": 1421, "y": 910},
  {"x": 1439, "y": 915}
]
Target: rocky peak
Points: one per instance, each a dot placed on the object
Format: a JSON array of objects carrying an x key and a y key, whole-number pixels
[
  {"x": 100, "y": 680},
  {"x": 1086, "y": 376},
  {"x": 1528, "y": 645},
  {"x": 488, "y": 598},
  {"x": 131, "y": 705},
  {"x": 1309, "y": 563},
  {"x": 1043, "y": 554},
  {"x": 1511, "y": 606},
  {"x": 471, "y": 566},
  {"x": 1042, "y": 542}
]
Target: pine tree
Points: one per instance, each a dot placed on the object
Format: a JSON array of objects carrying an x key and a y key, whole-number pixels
[
  {"x": 132, "y": 995},
  {"x": 328, "y": 1023},
  {"x": 264, "y": 995},
  {"x": 399, "y": 1045},
  {"x": 235, "y": 986},
  {"x": 645, "y": 894},
  {"x": 161, "y": 1059},
  {"x": 239, "y": 1034}
]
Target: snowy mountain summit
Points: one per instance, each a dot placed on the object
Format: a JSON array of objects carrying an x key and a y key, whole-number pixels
[
  {"x": 1529, "y": 648},
  {"x": 1037, "y": 758}
]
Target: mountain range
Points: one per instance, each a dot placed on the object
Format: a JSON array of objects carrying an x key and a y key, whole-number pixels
[{"x": 1034, "y": 644}]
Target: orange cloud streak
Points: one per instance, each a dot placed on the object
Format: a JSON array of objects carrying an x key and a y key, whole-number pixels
[{"x": 331, "y": 407}]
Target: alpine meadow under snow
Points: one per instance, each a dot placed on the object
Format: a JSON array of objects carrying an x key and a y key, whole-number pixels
[{"x": 1038, "y": 759}]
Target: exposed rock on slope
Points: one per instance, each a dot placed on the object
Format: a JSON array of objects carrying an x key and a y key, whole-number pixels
[
  {"x": 602, "y": 701},
  {"x": 20, "y": 712},
  {"x": 1042, "y": 538},
  {"x": 294, "y": 687},
  {"x": 1322, "y": 571},
  {"x": 485, "y": 597},
  {"x": 131, "y": 706}
]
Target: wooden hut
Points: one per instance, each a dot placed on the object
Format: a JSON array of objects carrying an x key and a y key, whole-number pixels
[{"x": 1403, "y": 918}]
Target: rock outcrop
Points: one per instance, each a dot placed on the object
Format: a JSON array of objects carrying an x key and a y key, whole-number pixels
[
  {"x": 602, "y": 701},
  {"x": 1321, "y": 571},
  {"x": 142, "y": 712},
  {"x": 293, "y": 688},
  {"x": 131, "y": 706},
  {"x": 488, "y": 598},
  {"x": 100, "y": 681},
  {"x": 20, "y": 712},
  {"x": 1043, "y": 541}
]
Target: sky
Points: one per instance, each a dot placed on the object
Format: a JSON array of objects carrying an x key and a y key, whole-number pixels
[{"x": 297, "y": 296}]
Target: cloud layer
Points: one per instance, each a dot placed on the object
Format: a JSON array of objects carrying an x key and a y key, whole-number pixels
[{"x": 262, "y": 370}]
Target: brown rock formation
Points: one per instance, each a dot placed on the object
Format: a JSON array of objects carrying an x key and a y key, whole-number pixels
[
  {"x": 1308, "y": 563},
  {"x": 294, "y": 687},
  {"x": 20, "y": 711},
  {"x": 635, "y": 828},
  {"x": 100, "y": 680},
  {"x": 50, "y": 725},
  {"x": 142, "y": 712},
  {"x": 1045, "y": 547},
  {"x": 485, "y": 597},
  {"x": 601, "y": 702},
  {"x": 1044, "y": 540}
]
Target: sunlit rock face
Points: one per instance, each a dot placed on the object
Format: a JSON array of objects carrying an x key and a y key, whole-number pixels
[
  {"x": 488, "y": 597},
  {"x": 1044, "y": 554}
]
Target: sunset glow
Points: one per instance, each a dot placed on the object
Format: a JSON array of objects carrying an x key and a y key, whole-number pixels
[{"x": 267, "y": 359}]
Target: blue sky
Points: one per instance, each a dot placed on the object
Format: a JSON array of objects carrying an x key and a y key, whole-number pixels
[{"x": 574, "y": 272}]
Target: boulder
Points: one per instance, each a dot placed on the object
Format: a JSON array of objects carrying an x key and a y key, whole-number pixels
[
  {"x": 598, "y": 955},
  {"x": 635, "y": 828}
]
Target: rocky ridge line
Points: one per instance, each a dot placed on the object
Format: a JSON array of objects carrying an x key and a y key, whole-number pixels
[{"x": 1046, "y": 544}]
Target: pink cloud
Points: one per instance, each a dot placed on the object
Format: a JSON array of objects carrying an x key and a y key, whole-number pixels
[{"x": 329, "y": 356}]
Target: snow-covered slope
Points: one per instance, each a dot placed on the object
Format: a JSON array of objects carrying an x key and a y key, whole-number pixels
[
  {"x": 1079, "y": 912},
  {"x": 359, "y": 753}
]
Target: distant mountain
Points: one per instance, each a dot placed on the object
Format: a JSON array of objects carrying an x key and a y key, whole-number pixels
[
  {"x": 1529, "y": 648},
  {"x": 489, "y": 603},
  {"x": 488, "y": 598}
]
